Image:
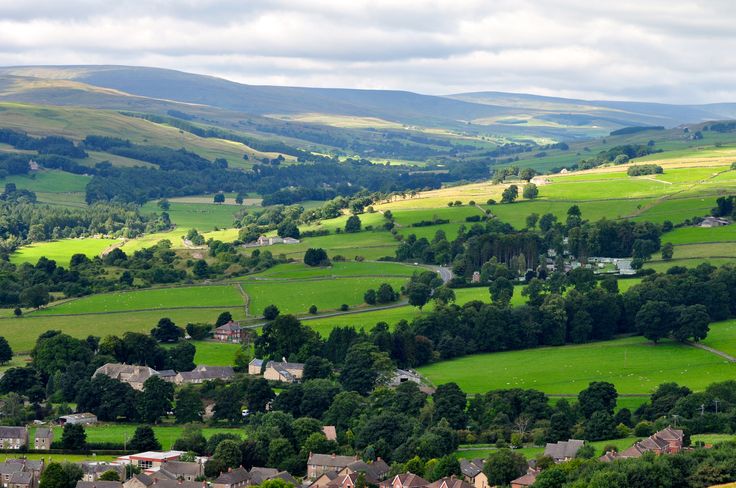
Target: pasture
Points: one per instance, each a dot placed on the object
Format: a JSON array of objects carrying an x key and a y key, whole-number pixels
[
  {"x": 633, "y": 364},
  {"x": 60, "y": 251},
  {"x": 722, "y": 336},
  {"x": 50, "y": 181},
  {"x": 201, "y": 216},
  {"x": 337, "y": 269},
  {"x": 158, "y": 298},
  {"x": 469, "y": 452}
]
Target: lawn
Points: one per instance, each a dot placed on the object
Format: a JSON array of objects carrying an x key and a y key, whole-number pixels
[
  {"x": 710, "y": 250},
  {"x": 633, "y": 364},
  {"x": 337, "y": 269},
  {"x": 60, "y": 251},
  {"x": 22, "y": 333},
  {"x": 366, "y": 320},
  {"x": 162, "y": 298},
  {"x": 369, "y": 244},
  {"x": 213, "y": 353},
  {"x": 677, "y": 209},
  {"x": 611, "y": 189},
  {"x": 328, "y": 294},
  {"x": 453, "y": 214}
]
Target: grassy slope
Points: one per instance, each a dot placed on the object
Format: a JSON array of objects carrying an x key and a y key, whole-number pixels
[{"x": 61, "y": 251}]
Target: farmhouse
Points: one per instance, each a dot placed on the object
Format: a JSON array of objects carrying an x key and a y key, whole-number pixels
[
  {"x": 229, "y": 332},
  {"x": 43, "y": 438},
  {"x": 200, "y": 374},
  {"x": 134, "y": 375},
  {"x": 713, "y": 222},
  {"x": 78, "y": 418},
  {"x": 563, "y": 450},
  {"x": 13, "y": 437},
  {"x": 283, "y": 371}
]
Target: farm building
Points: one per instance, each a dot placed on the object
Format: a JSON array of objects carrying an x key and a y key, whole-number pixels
[
  {"x": 563, "y": 450},
  {"x": 78, "y": 418},
  {"x": 229, "y": 332},
  {"x": 134, "y": 375},
  {"x": 200, "y": 374},
  {"x": 714, "y": 222}
]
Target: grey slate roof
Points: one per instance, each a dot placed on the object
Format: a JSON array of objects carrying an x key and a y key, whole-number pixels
[
  {"x": 563, "y": 449},
  {"x": 181, "y": 468},
  {"x": 10, "y": 467},
  {"x": 331, "y": 460},
  {"x": 22, "y": 478},
  {"x": 12, "y": 432},
  {"x": 99, "y": 484},
  {"x": 259, "y": 475},
  {"x": 237, "y": 475},
  {"x": 471, "y": 467},
  {"x": 43, "y": 433}
]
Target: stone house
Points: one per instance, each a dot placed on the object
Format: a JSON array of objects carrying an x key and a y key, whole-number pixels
[
  {"x": 22, "y": 479},
  {"x": 180, "y": 470},
  {"x": 13, "y": 437},
  {"x": 233, "y": 478},
  {"x": 99, "y": 484},
  {"x": 319, "y": 464},
  {"x": 229, "y": 332},
  {"x": 93, "y": 470},
  {"x": 43, "y": 438},
  {"x": 283, "y": 371},
  {"x": 472, "y": 470},
  {"x": 203, "y": 373},
  {"x": 525, "y": 480},
  {"x": 134, "y": 375},
  {"x": 563, "y": 450},
  {"x": 20, "y": 473}
]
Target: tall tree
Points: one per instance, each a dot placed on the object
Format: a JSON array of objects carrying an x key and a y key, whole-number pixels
[
  {"x": 144, "y": 439},
  {"x": 188, "y": 406},
  {"x": 167, "y": 331},
  {"x": 156, "y": 399},
  {"x": 73, "y": 437},
  {"x": 449, "y": 404},
  {"x": 6, "y": 353}
]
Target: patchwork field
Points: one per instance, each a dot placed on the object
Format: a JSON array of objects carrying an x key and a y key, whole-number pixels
[
  {"x": 60, "y": 251},
  {"x": 337, "y": 269},
  {"x": 633, "y": 364},
  {"x": 201, "y": 216}
]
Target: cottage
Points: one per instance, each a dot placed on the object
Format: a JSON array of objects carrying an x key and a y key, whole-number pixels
[
  {"x": 229, "y": 332},
  {"x": 472, "y": 470},
  {"x": 134, "y": 375},
  {"x": 168, "y": 375},
  {"x": 318, "y": 464},
  {"x": 99, "y": 484},
  {"x": 43, "y": 438},
  {"x": 13, "y": 437},
  {"x": 180, "y": 470},
  {"x": 22, "y": 479},
  {"x": 255, "y": 366},
  {"x": 85, "y": 418},
  {"x": 563, "y": 450},
  {"x": 233, "y": 478},
  {"x": 377, "y": 470},
  {"x": 203, "y": 373},
  {"x": 92, "y": 471},
  {"x": 283, "y": 371},
  {"x": 406, "y": 480}
]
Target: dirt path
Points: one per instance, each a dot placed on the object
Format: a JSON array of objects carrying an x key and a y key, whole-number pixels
[
  {"x": 246, "y": 299},
  {"x": 722, "y": 354}
]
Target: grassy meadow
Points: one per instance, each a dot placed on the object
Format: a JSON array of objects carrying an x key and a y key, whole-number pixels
[{"x": 61, "y": 251}]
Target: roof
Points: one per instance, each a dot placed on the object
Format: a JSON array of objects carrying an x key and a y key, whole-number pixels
[
  {"x": 129, "y": 373},
  {"x": 167, "y": 483},
  {"x": 330, "y": 432},
  {"x": 471, "y": 468},
  {"x": 229, "y": 327},
  {"x": 451, "y": 482},
  {"x": 13, "y": 432},
  {"x": 10, "y": 467},
  {"x": 73, "y": 416},
  {"x": 256, "y": 362},
  {"x": 286, "y": 476},
  {"x": 285, "y": 369},
  {"x": 157, "y": 455},
  {"x": 331, "y": 460},
  {"x": 22, "y": 478},
  {"x": 237, "y": 475},
  {"x": 167, "y": 373},
  {"x": 608, "y": 457},
  {"x": 259, "y": 475},
  {"x": 563, "y": 449},
  {"x": 44, "y": 433},
  {"x": 181, "y": 468},
  {"x": 99, "y": 484},
  {"x": 144, "y": 478},
  {"x": 407, "y": 480},
  {"x": 206, "y": 373},
  {"x": 525, "y": 480},
  {"x": 94, "y": 467}
]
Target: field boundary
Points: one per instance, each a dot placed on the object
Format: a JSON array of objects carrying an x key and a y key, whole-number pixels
[
  {"x": 31, "y": 315},
  {"x": 713, "y": 350}
]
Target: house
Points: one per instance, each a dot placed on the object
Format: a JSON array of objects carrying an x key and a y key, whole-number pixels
[
  {"x": 330, "y": 432},
  {"x": 43, "y": 438},
  {"x": 255, "y": 366},
  {"x": 403, "y": 375},
  {"x": 318, "y": 464},
  {"x": 290, "y": 240},
  {"x": 476, "y": 277},
  {"x": 406, "y": 480},
  {"x": 233, "y": 478},
  {"x": 7, "y": 470},
  {"x": 78, "y": 418},
  {"x": 525, "y": 480},
  {"x": 140, "y": 480},
  {"x": 159, "y": 482},
  {"x": 283, "y": 371},
  {"x": 91, "y": 471},
  {"x": 203, "y": 373},
  {"x": 180, "y": 470},
  {"x": 134, "y": 375},
  {"x": 259, "y": 475},
  {"x": 168, "y": 375},
  {"x": 20, "y": 473},
  {"x": 13, "y": 437},
  {"x": 563, "y": 450},
  {"x": 99, "y": 484},
  {"x": 349, "y": 481},
  {"x": 608, "y": 457},
  {"x": 150, "y": 460},
  {"x": 713, "y": 222},
  {"x": 22, "y": 479},
  {"x": 229, "y": 332},
  {"x": 666, "y": 441},
  {"x": 450, "y": 482},
  {"x": 472, "y": 470},
  {"x": 377, "y": 470}
]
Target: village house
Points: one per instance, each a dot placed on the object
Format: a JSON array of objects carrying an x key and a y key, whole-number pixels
[
  {"x": 229, "y": 332},
  {"x": 20, "y": 473},
  {"x": 203, "y": 373},
  {"x": 150, "y": 461},
  {"x": 91, "y": 471},
  {"x": 377, "y": 470},
  {"x": 233, "y": 478},
  {"x": 323, "y": 480},
  {"x": 563, "y": 450},
  {"x": 349, "y": 481},
  {"x": 406, "y": 480},
  {"x": 666, "y": 441},
  {"x": 7, "y": 470},
  {"x": 525, "y": 480},
  {"x": 22, "y": 479},
  {"x": 85, "y": 418},
  {"x": 255, "y": 366},
  {"x": 472, "y": 470},
  {"x": 13, "y": 437},
  {"x": 318, "y": 464},
  {"x": 283, "y": 371},
  {"x": 43, "y": 438},
  {"x": 450, "y": 482},
  {"x": 134, "y": 375},
  {"x": 240, "y": 477},
  {"x": 330, "y": 432},
  {"x": 99, "y": 484},
  {"x": 180, "y": 470},
  {"x": 139, "y": 481}
]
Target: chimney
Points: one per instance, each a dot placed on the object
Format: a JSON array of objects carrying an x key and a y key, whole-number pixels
[
  {"x": 229, "y": 470},
  {"x": 379, "y": 459}
]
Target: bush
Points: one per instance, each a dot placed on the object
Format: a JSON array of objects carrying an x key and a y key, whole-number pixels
[
  {"x": 271, "y": 312},
  {"x": 344, "y": 307},
  {"x": 313, "y": 309},
  {"x": 316, "y": 257}
]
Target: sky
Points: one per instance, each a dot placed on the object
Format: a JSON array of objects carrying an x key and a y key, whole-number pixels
[{"x": 653, "y": 50}]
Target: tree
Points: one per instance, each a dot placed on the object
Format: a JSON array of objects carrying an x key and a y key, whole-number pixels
[
  {"x": 188, "y": 406},
  {"x": 503, "y": 466},
  {"x": 54, "y": 477},
  {"x": 286, "y": 336},
  {"x": 258, "y": 395},
  {"x": 510, "y": 194},
  {"x": 35, "y": 296},
  {"x": 56, "y": 351},
  {"x": 73, "y": 438},
  {"x": 502, "y": 289},
  {"x": 449, "y": 404},
  {"x": 181, "y": 357},
  {"x": 271, "y": 312},
  {"x": 668, "y": 251},
  {"x": 360, "y": 372},
  {"x": 418, "y": 294},
  {"x": 316, "y": 367},
  {"x": 654, "y": 320},
  {"x": 369, "y": 297},
  {"x": 228, "y": 453},
  {"x": 110, "y": 475},
  {"x": 530, "y": 191},
  {"x": 598, "y": 396},
  {"x": 386, "y": 294},
  {"x": 6, "y": 353},
  {"x": 219, "y": 198},
  {"x": 444, "y": 295},
  {"x": 191, "y": 440},
  {"x": 223, "y": 319},
  {"x": 531, "y": 220},
  {"x": 164, "y": 204},
  {"x": 600, "y": 426},
  {"x": 288, "y": 228},
  {"x": 690, "y": 322},
  {"x": 144, "y": 439},
  {"x": 167, "y": 331},
  {"x": 156, "y": 399},
  {"x": 201, "y": 269},
  {"x": 547, "y": 221},
  {"x": 228, "y": 404},
  {"x": 316, "y": 257},
  {"x": 352, "y": 224}
]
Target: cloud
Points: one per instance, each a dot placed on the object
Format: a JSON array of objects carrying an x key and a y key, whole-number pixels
[{"x": 658, "y": 50}]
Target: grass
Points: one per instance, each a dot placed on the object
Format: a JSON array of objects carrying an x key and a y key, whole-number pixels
[
  {"x": 532, "y": 452},
  {"x": 60, "y": 251},
  {"x": 201, "y": 216},
  {"x": 50, "y": 181},
  {"x": 338, "y": 269},
  {"x": 453, "y": 214},
  {"x": 706, "y": 250},
  {"x": 662, "y": 266},
  {"x": 633, "y": 364},
  {"x": 59, "y": 458},
  {"x": 162, "y": 298},
  {"x": 370, "y": 245},
  {"x": 592, "y": 210},
  {"x": 690, "y": 235},
  {"x": 297, "y": 297},
  {"x": 722, "y": 336},
  {"x": 215, "y": 353},
  {"x": 22, "y": 333}
]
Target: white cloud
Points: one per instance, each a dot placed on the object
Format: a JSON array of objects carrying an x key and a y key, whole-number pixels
[{"x": 659, "y": 50}]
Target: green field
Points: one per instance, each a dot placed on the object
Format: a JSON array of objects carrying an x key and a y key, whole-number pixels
[
  {"x": 50, "y": 181},
  {"x": 161, "y": 298},
  {"x": 633, "y": 364},
  {"x": 337, "y": 269},
  {"x": 468, "y": 452},
  {"x": 328, "y": 294},
  {"x": 690, "y": 235},
  {"x": 213, "y": 353},
  {"x": 22, "y": 333},
  {"x": 722, "y": 336},
  {"x": 60, "y": 251},
  {"x": 369, "y": 244},
  {"x": 201, "y": 216},
  {"x": 516, "y": 213},
  {"x": 662, "y": 266}
]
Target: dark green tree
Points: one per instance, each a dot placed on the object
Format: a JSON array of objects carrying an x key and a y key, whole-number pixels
[
  {"x": 510, "y": 194},
  {"x": 316, "y": 257},
  {"x": 418, "y": 294},
  {"x": 73, "y": 437},
  {"x": 258, "y": 395},
  {"x": 144, "y": 439},
  {"x": 188, "y": 407},
  {"x": 156, "y": 399},
  {"x": 228, "y": 453},
  {"x": 271, "y": 312},
  {"x": 654, "y": 320},
  {"x": 167, "y": 331},
  {"x": 599, "y": 396},
  {"x": 352, "y": 224},
  {"x": 449, "y": 404},
  {"x": 223, "y": 319},
  {"x": 503, "y": 466},
  {"x": 6, "y": 353}
]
